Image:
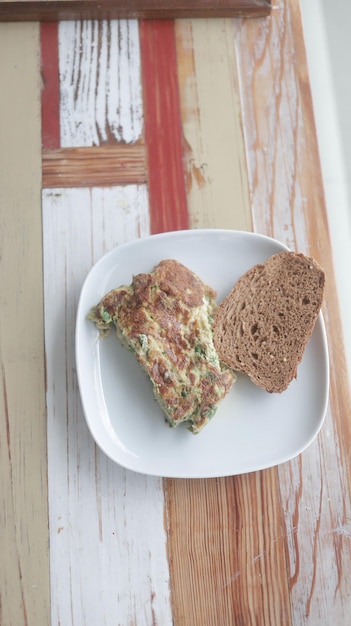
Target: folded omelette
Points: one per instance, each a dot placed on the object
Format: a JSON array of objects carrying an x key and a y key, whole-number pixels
[{"x": 165, "y": 317}]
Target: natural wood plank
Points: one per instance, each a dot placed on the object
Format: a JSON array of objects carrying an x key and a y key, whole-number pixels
[
  {"x": 50, "y": 93},
  {"x": 95, "y": 167},
  {"x": 226, "y": 549},
  {"x": 100, "y": 83},
  {"x": 288, "y": 202},
  {"x": 14, "y": 10},
  {"x": 216, "y": 178},
  {"x": 24, "y": 571},
  {"x": 107, "y": 536}
]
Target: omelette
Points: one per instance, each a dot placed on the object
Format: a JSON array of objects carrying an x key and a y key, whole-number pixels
[{"x": 165, "y": 318}]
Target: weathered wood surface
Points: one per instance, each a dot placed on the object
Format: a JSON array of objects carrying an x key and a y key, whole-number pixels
[
  {"x": 270, "y": 547},
  {"x": 214, "y": 152},
  {"x": 107, "y": 537},
  {"x": 287, "y": 201},
  {"x": 24, "y": 563},
  {"x": 100, "y": 82},
  {"x": 43, "y": 10},
  {"x": 98, "y": 167}
]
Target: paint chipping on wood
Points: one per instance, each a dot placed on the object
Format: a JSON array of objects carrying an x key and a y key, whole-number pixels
[
  {"x": 100, "y": 84},
  {"x": 213, "y": 141},
  {"x": 102, "y": 564},
  {"x": 101, "y": 166},
  {"x": 286, "y": 192},
  {"x": 163, "y": 131},
  {"x": 23, "y": 470}
]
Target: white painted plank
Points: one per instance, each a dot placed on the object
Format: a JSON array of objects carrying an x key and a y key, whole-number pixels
[
  {"x": 107, "y": 536},
  {"x": 100, "y": 83}
]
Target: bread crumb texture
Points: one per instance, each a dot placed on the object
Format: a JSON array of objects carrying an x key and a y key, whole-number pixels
[{"x": 264, "y": 324}]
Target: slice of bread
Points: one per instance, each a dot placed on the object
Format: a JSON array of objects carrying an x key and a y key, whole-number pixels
[{"x": 263, "y": 325}]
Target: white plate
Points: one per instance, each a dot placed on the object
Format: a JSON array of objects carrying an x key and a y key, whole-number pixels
[{"x": 251, "y": 430}]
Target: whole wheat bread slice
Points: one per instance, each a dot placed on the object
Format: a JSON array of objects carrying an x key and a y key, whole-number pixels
[{"x": 263, "y": 325}]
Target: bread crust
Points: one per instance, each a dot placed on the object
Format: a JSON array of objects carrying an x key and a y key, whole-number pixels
[{"x": 263, "y": 326}]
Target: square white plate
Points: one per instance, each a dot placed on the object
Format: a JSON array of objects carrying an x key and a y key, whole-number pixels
[{"x": 251, "y": 430}]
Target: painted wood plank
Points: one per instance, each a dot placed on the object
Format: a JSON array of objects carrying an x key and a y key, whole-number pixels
[
  {"x": 107, "y": 536},
  {"x": 100, "y": 86},
  {"x": 11, "y": 10},
  {"x": 216, "y": 179},
  {"x": 287, "y": 200},
  {"x": 24, "y": 569},
  {"x": 50, "y": 93},
  {"x": 163, "y": 132},
  {"x": 104, "y": 166}
]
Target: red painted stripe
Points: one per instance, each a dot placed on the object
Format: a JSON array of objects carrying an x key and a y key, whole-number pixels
[
  {"x": 50, "y": 96},
  {"x": 163, "y": 129}
]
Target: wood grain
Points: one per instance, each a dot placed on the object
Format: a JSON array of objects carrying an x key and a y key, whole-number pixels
[
  {"x": 226, "y": 540},
  {"x": 107, "y": 536},
  {"x": 50, "y": 93},
  {"x": 266, "y": 548},
  {"x": 41, "y": 10},
  {"x": 24, "y": 570},
  {"x": 100, "y": 83},
  {"x": 287, "y": 198},
  {"x": 100, "y": 166},
  {"x": 226, "y": 549},
  {"x": 214, "y": 155}
]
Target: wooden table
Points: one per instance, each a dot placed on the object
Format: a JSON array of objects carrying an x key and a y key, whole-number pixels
[{"x": 109, "y": 131}]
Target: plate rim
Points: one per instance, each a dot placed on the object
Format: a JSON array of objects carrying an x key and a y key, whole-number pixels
[{"x": 120, "y": 248}]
